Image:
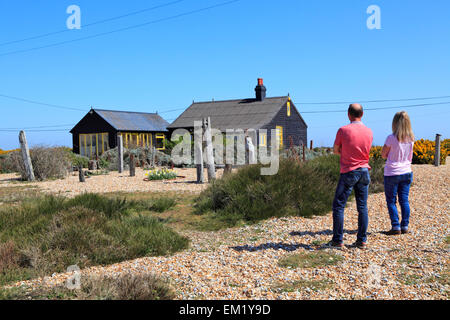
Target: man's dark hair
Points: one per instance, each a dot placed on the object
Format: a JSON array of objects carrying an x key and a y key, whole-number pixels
[{"x": 355, "y": 110}]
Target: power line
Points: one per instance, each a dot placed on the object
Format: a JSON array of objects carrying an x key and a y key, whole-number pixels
[
  {"x": 41, "y": 103},
  {"x": 39, "y": 127},
  {"x": 383, "y": 108},
  {"x": 374, "y": 101},
  {"x": 92, "y": 24},
  {"x": 55, "y": 130},
  {"x": 122, "y": 29}
]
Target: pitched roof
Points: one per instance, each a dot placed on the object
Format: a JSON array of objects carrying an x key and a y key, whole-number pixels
[
  {"x": 133, "y": 121},
  {"x": 231, "y": 114}
]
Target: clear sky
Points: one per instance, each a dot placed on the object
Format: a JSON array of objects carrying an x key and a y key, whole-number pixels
[{"x": 316, "y": 50}]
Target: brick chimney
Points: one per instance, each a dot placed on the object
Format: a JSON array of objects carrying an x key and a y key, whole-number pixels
[{"x": 260, "y": 90}]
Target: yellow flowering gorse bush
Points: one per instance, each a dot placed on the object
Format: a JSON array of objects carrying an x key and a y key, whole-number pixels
[{"x": 424, "y": 151}]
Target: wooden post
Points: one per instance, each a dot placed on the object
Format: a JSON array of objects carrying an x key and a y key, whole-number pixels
[
  {"x": 228, "y": 169},
  {"x": 81, "y": 176},
  {"x": 311, "y": 146},
  {"x": 209, "y": 150},
  {"x": 132, "y": 166},
  {"x": 250, "y": 150},
  {"x": 120, "y": 152},
  {"x": 198, "y": 153},
  {"x": 304, "y": 153},
  {"x": 153, "y": 157},
  {"x": 26, "y": 156},
  {"x": 437, "y": 154}
]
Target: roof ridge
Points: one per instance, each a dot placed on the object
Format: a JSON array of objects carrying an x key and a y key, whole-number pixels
[
  {"x": 154, "y": 113},
  {"x": 229, "y": 100}
]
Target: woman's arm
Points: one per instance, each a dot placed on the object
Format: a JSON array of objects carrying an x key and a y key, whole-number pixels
[{"x": 385, "y": 152}]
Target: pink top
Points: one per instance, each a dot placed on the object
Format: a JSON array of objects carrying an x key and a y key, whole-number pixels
[
  {"x": 399, "y": 158},
  {"x": 355, "y": 140}
]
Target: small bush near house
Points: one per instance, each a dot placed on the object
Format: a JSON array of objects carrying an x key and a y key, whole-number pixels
[
  {"x": 299, "y": 189},
  {"x": 424, "y": 152},
  {"x": 123, "y": 287},
  {"x": 46, "y": 235},
  {"x": 143, "y": 156},
  {"x": 48, "y": 163},
  {"x": 446, "y": 145}
]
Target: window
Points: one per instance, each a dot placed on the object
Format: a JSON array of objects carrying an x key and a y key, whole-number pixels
[
  {"x": 93, "y": 144},
  {"x": 288, "y": 108},
  {"x": 280, "y": 135},
  {"x": 263, "y": 139},
  {"x": 160, "y": 141}
]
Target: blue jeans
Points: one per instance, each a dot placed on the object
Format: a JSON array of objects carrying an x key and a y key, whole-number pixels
[
  {"x": 393, "y": 186},
  {"x": 358, "y": 180}
]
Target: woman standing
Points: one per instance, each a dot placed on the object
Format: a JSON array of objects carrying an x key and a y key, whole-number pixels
[{"x": 398, "y": 176}]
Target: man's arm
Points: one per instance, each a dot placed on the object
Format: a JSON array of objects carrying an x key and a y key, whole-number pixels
[{"x": 337, "y": 149}]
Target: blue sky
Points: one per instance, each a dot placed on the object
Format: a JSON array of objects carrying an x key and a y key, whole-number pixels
[{"x": 316, "y": 50}]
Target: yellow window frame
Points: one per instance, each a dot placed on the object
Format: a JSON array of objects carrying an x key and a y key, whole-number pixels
[
  {"x": 288, "y": 108},
  {"x": 163, "y": 137},
  {"x": 280, "y": 134},
  {"x": 263, "y": 140}
]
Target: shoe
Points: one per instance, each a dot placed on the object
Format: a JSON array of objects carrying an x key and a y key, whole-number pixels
[
  {"x": 333, "y": 244},
  {"x": 405, "y": 231},
  {"x": 393, "y": 232},
  {"x": 359, "y": 244}
]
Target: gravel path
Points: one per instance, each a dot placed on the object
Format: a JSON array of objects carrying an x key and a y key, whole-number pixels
[
  {"x": 241, "y": 263},
  {"x": 114, "y": 182}
]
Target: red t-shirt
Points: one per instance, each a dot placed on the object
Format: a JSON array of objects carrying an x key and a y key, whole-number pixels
[{"x": 355, "y": 141}]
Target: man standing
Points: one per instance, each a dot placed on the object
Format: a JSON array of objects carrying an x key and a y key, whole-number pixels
[{"x": 353, "y": 143}]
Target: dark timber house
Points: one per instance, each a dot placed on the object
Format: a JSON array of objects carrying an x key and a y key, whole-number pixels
[
  {"x": 256, "y": 113},
  {"x": 98, "y": 131}
]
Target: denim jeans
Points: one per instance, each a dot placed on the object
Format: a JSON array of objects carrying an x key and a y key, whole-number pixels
[
  {"x": 393, "y": 186},
  {"x": 358, "y": 180}
]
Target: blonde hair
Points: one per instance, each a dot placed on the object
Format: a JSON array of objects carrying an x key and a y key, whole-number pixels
[{"x": 401, "y": 127}]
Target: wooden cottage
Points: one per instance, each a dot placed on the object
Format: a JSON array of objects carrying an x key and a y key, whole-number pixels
[
  {"x": 98, "y": 131},
  {"x": 257, "y": 113}
]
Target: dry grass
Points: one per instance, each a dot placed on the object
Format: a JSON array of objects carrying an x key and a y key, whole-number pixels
[{"x": 125, "y": 287}]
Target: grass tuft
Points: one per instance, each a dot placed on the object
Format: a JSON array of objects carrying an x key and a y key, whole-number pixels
[{"x": 310, "y": 260}]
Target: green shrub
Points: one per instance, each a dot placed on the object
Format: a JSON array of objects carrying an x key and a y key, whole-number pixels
[
  {"x": 300, "y": 189},
  {"x": 48, "y": 234}
]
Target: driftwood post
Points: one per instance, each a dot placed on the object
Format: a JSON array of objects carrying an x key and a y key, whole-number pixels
[
  {"x": 311, "y": 146},
  {"x": 153, "y": 157},
  {"x": 26, "y": 156},
  {"x": 120, "y": 152},
  {"x": 209, "y": 150},
  {"x": 251, "y": 150},
  {"x": 132, "y": 166},
  {"x": 198, "y": 153},
  {"x": 437, "y": 154},
  {"x": 81, "y": 174}
]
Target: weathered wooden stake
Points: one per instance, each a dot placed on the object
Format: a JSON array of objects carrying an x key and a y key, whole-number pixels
[
  {"x": 132, "y": 166},
  {"x": 209, "y": 150},
  {"x": 153, "y": 157},
  {"x": 120, "y": 152},
  {"x": 251, "y": 150},
  {"x": 437, "y": 154},
  {"x": 81, "y": 176},
  {"x": 228, "y": 169},
  {"x": 198, "y": 153},
  {"x": 311, "y": 146},
  {"x": 26, "y": 156}
]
